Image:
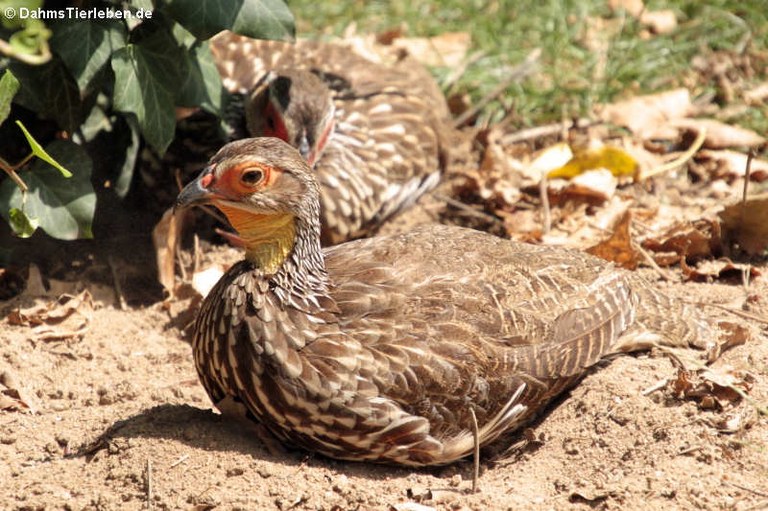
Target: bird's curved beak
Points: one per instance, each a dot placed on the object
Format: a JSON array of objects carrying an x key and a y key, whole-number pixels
[{"x": 196, "y": 192}]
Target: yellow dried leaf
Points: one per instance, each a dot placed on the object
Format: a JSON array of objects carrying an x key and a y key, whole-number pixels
[{"x": 613, "y": 159}]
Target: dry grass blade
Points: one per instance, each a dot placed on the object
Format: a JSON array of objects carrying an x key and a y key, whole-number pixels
[{"x": 524, "y": 69}]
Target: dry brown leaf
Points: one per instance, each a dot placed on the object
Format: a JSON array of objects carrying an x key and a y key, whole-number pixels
[
  {"x": 720, "y": 135},
  {"x": 618, "y": 247},
  {"x": 731, "y": 165},
  {"x": 165, "y": 238},
  {"x": 746, "y": 223},
  {"x": 12, "y": 396},
  {"x": 712, "y": 388},
  {"x": 690, "y": 240},
  {"x": 448, "y": 49},
  {"x": 497, "y": 180},
  {"x": 659, "y": 22},
  {"x": 643, "y": 115},
  {"x": 723, "y": 268},
  {"x": 733, "y": 334},
  {"x": 66, "y": 318}
]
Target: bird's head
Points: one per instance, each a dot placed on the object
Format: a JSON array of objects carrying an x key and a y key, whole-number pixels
[
  {"x": 295, "y": 106},
  {"x": 263, "y": 186}
]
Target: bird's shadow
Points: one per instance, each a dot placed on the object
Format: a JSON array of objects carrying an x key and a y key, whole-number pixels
[{"x": 203, "y": 429}]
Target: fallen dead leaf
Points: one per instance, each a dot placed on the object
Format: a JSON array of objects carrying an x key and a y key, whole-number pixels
[
  {"x": 547, "y": 160},
  {"x": 732, "y": 165},
  {"x": 496, "y": 181},
  {"x": 13, "y": 397},
  {"x": 734, "y": 334},
  {"x": 714, "y": 269},
  {"x": 66, "y": 318},
  {"x": 720, "y": 135},
  {"x": 712, "y": 388},
  {"x": 614, "y": 159},
  {"x": 644, "y": 115},
  {"x": 165, "y": 238},
  {"x": 690, "y": 240},
  {"x": 746, "y": 223},
  {"x": 618, "y": 247}
]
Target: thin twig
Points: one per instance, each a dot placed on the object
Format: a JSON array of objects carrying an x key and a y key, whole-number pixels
[
  {"x": 544, "y": 131},
  {"x": 737, "y": 312},
  {"x": 11, "y": 171},
  {"x": 652, "y": 263},
  {"x": 677, "y": 162},
  {"x": 196, "y": 255},
  {"x": 457, "y": 73},
  {"x": 179, "y": 461},
  {"x": 545, "y": 208},
  {"x": 116, "y": 281},
  {"x": 466, "y": 207},
  {"x": 520, "y": 71},
  {"x": 750, "y": 490},
  {"x": 476, "y": 452}
]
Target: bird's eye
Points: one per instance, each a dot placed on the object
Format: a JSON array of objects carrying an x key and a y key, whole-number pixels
[{"x": 252, "y": 176}]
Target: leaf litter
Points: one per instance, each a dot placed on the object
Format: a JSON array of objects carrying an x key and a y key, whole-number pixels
[{"x": 681, "y": 207}]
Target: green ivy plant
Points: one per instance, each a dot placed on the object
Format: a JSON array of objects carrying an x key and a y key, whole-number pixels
[{"x": 110, "y": 80}]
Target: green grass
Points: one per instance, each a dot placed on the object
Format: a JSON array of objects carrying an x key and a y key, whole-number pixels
[{"x": 573, "y": 75}]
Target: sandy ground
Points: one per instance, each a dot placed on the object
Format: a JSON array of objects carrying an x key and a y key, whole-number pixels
[{"x": 114, "y": 418}]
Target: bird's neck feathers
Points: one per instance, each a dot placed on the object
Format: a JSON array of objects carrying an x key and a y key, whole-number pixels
[{"x": 268, "y": 239}]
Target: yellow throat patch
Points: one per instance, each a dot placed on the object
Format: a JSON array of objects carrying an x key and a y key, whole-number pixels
[{"x": 268, "y": 239}]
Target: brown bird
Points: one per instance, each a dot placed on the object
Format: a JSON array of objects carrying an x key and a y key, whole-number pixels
[
  {"x": 375, "y": 132},
  {"x": 382, "y": 349}
]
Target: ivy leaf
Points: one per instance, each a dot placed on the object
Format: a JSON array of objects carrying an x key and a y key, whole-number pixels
[
  {"x": 38, "y": 151},
  {"x": 202, "y": 84},
  {"x": 146, "y": 75},
  {"x": 263, "y": 19},
  {"x": 50, "y": 91},
  {"x": 63, "y": 207},
  {"x": 21, "y": 224},
  {"x": 85, "y": 48},
  {"x": 113, "y": 142},
  {"x": 9, "y": 86}
]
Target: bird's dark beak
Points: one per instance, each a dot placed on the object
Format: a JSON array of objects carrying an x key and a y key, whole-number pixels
[
  {"x": 304, "y": 148},
  {"x": 196, "y": 192}
]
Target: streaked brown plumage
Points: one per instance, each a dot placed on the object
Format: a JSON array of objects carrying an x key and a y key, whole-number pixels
[
  {"x": 375, "y": 132},
  {"x": 378, "y": 349}
]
